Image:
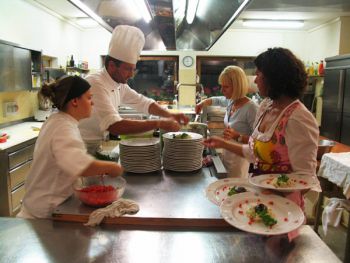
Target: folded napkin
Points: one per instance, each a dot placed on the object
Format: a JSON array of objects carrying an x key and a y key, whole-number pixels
[
  {"x": 116, "y": 209},
  {"x": 333, "y": 211}
]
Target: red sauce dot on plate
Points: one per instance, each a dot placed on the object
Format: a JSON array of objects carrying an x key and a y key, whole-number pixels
[
  {"x": 240, "y": 212},
  {"x": 285, "y": 219},
  {"x": 271, "y": 203}
]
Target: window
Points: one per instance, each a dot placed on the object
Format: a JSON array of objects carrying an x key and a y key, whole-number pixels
[
  {"x": 209, "y": 69},
  {"x": 156, "y": 77}
]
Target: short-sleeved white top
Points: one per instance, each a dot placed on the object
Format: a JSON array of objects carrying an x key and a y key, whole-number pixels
[{"x": 59, "y": 158}]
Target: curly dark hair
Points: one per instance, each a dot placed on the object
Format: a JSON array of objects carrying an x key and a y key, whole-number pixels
[{"x": 284, "y": 74}]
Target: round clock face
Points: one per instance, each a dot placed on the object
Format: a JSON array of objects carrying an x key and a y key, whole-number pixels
[{"x": 187, "y": 61}]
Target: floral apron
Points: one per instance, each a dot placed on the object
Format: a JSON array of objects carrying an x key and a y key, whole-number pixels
[{"x": 272, "y": 156}]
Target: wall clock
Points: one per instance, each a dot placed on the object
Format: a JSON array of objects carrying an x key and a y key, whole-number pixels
[{"x": 187, "y": 61}]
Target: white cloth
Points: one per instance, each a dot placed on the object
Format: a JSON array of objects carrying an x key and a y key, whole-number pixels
[
  {"x": 126, "y": 43},
  {"x": 332, "y": 213},
  {"x": 116, "y": 209},
  {"x": 335, "y": 167},
  {"x": 301, "y": 138},
  {"x": 107, "y": 97},
  {"x": 59, "y": 158}
]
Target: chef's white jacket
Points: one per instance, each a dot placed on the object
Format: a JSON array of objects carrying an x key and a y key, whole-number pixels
[
  {"x": 108, "y": 95},
  {"x": 59, "y": 157}
]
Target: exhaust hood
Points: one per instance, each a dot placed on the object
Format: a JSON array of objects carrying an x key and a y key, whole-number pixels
[{"x": 173, "y": 25}]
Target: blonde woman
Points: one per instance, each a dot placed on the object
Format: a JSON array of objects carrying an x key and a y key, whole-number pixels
[{"x": 239, "y": 118}]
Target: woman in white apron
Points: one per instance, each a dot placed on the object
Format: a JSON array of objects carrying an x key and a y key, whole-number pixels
[{"x": 239, "y": 118}]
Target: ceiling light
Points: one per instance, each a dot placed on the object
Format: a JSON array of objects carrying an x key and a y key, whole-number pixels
[
  {"x": 191, "y": 10},
  {"x": 143, "y": 10},
  {"x": 86, "y": 22},
  {"x": 91, "y": 14},
  {"x": 266, "y": 23}
]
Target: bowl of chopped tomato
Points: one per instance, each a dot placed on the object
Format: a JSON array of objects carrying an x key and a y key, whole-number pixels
[{"x": 99, "y": 191}]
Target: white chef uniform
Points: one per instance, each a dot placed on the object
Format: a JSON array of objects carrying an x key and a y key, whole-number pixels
[
  {"x": 125, "y": 45},
  {"x": 107, "y": 97},
  {"x": 59, "y": 157}
]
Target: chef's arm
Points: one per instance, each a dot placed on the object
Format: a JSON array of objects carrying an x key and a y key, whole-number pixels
[
  {"x": 102, "y": 167},
  {"x": 156, "y": 109},
  {"x": 138, "y": 126}
]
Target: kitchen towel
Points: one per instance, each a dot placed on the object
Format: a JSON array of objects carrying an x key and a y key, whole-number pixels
[
  {"x": 332, "y": 213},
  {"x": 116, "y": 209}
]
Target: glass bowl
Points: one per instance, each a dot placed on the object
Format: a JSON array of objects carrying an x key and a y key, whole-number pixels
[{"x": 99, "y": 190}]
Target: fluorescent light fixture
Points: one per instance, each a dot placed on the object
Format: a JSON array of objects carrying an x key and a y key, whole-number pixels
[
  {"x": 267, "y": 23},
  {"x": 143, "y": 10},
  {"x": 91, "y": 13},
  {"x": 191, "y": 10},
  {"x": 86, "y": 22}
]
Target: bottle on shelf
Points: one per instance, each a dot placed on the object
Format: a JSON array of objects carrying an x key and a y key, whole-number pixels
[
  {"x": 316, "y": 69},
  {"x": 321, "y": 68},
  {"x": 71, "y": 62},
  {"x": 311, "y": 70}
]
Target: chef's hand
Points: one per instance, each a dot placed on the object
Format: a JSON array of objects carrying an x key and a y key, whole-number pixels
[
  {"x": 230, "y": 133},
  {"x": 199, "y": 107},
  {"x": 214, "y": 142},
  {"x": 168, "y": 124},
  {"x": 115, "y": 169},
  {"x": 180, "y": 118}
]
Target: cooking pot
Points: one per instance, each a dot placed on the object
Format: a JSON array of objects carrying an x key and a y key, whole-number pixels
[{"x": 324, "y": 146}]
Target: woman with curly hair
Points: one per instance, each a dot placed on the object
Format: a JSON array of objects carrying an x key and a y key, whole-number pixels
[{"x": 285, "y": 135}]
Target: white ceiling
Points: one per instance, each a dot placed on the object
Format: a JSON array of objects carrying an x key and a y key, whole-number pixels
[{"x": 313, "y": 12}]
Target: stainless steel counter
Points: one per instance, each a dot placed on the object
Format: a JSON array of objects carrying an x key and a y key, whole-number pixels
[
  {"x": 166, "y": 199},
  {"x": 50, "y": 241}
]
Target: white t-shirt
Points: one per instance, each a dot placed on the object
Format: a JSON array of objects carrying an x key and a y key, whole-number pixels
[
  {"x": 59, "y": 158},
  {"x": 108, "y": 95}
]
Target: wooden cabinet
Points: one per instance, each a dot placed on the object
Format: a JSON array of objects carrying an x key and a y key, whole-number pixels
[{"x": 15, "y": 165}]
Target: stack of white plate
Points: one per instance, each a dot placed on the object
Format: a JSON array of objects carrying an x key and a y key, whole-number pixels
[
  {"x": 182, "y": 155},
  {"x": 140, "y": 155}
]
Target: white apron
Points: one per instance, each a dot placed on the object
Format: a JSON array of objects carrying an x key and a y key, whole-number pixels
[{"x": 235, "y": 165}]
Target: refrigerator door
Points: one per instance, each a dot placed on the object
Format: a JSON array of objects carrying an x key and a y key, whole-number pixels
[
  {"x": 332, "y": 103},
  {"x": 345, "y": 134}
]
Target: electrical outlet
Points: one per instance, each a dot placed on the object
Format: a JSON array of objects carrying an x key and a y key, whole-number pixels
[{"x": 10, "y": 108}]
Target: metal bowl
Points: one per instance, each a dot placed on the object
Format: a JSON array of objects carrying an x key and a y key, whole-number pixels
[{"x": 324, "y": 146}]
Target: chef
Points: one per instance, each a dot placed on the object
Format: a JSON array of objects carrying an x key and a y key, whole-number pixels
[{"x": 110, "y": 90}]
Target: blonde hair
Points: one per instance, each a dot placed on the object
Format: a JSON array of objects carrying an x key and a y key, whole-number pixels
[{"x": 236, "y": 78}]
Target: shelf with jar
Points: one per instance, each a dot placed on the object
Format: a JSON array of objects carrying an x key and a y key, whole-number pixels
[
  {"x": 36, "y": 68},
  {"x": 77, "y": 71}
]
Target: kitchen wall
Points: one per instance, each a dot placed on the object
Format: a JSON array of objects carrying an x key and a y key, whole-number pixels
[{"x": 25, "y": 23}]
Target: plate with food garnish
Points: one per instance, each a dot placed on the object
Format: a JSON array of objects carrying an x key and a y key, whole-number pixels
[
  {"x": 284, "y": 182},
  {"x": 263, "y": 214},
  {"x": 219, "y": 190}
]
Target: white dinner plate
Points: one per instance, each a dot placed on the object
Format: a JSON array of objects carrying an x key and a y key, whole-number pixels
[
  {"x": 140, "y": 142},
  {"x": 289, "y": 216},
  {"x": 217, "y": 191},
  {"x": 299, "y": 182},
  {"x": 194, "y": 136}
]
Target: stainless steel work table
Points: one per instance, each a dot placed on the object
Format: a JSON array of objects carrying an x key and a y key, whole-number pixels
[
  {"x": 166, "y": 199},
  {"x": 52, "y": 241}
]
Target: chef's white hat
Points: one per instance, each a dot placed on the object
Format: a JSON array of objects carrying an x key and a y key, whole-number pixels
[{"x": 126, "y": 44}]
